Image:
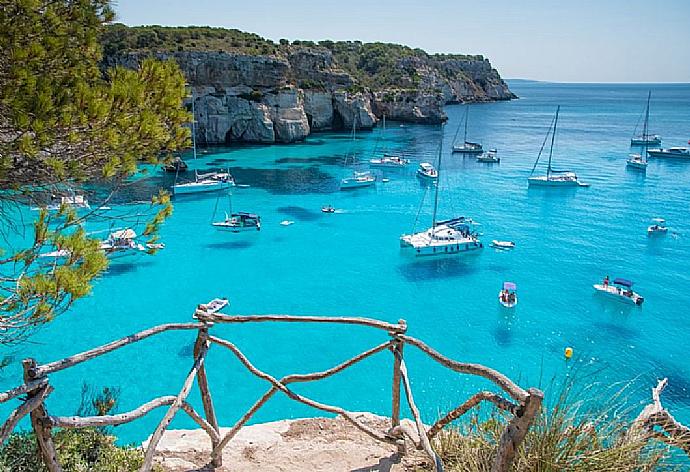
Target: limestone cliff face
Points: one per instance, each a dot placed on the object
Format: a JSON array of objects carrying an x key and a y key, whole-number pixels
[{"x": 267, "y": 99}]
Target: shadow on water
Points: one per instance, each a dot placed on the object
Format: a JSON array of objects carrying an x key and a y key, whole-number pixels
[
  {"x": 220, "y": 161},
  {"x": 615, "y": 331},
  {"x": 503, "y": 332},
  {"x": 288, "y": 181},
  {"x": 122, "y": 268},
  {"x": 186, "y": 351},
  {"x": 300, "y": 213},
  {"x": 678, "y": 389},
  {"x": 243, "y": 244},
  {"x": 445, "y": 267},
  {"x": 323, "y": 160}
]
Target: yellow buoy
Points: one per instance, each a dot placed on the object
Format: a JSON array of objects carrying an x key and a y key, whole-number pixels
[{"x": 568, "y": 352}]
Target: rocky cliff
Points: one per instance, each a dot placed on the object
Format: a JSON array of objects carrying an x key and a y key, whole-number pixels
[{"x": 253, "y": 90}]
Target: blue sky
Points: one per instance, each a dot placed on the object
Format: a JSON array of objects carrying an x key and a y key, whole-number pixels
[{"x": 569, "y": 41}]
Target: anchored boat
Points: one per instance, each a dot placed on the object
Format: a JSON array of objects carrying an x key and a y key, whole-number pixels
[
  {"x": 621, "y": 290},
  {"x": 427, "y": 171},
  {"x": 491, "y": 156},
  {"x": 358, "y": 179},
  {"x": 388, "y": 160},
  {"x": 675, "y": 152},
  {"x": 209, "y": 182},
  {"x": 467, "y": 147},
  {"x": 645, "y": 139},
  {"x": 553, "y": 178},
  {"x": 508, "y": 295},
  {"x": 658, "y": 227},
  {"x": 453, "y": 236}
]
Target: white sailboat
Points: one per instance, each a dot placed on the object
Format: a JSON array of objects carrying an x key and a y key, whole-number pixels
[
  {"x": 467, "y": 147},
  {"x": 645, "y": 139},
  {"x": 453, "y": 236},
  {"x": 394, "y": 161},
  {"x": 639, "y": 161},
  {"x": 358, "y": 179},
  {"x": 553, "y": 178},
  {"x": 238, "y": 222},
  {"x": 120, "y": 246}
]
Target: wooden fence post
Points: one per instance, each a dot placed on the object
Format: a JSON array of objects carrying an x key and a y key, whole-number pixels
[
  {"x": 206, "y": 399},
  {"x": 397, "y": 350},
  {"x": 40, "y": 423},
  {"x": 516, "y": 430}
]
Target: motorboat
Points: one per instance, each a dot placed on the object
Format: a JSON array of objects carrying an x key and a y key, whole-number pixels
[
  {"x": 176, "y": 165},
  {"x": 239, "y": 222},
  {"x": 553, "y": 178},
  {"x": 454, "y": 236},
  {"x": 358, "y": 180},
  {"x": 621, "y": 290},
  {"x": 287, "y": 222},
  {"x": 658, "y": 227},
  {"x": 75, "y": 201},
  {"x": 209, "y": 182},
  {"x": 328, "y": 209},
  {"x": 508, "y": 295},
  {"x": 389, "y": 161},
  {"x": 502, "y": 244},
  {"x": 675, "y": 152},
  {"x": 427, "y": 171},
  {"x": 121, "y": 246},
  {"x": 214, "y": 306},
  {"x": 637, "y": 161},
  {"x": 490, "y": 156}
]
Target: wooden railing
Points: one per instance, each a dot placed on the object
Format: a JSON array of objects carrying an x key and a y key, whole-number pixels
[{"x": 522, "y": 405}]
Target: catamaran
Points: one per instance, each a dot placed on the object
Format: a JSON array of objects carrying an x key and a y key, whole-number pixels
[
  {"x": 645, "y": 139},
  {"x": 453, "y": 236},
  {"x": 388, "y": 160},
  {"x": 467, "y": 147},
  {"x": 639, "y": 161},
  {"x": 238, "y": 222},
  {"x": 553, "y": 178},
  {"x": 358, "y": 179},
  {"x": 621, "y": 290}
]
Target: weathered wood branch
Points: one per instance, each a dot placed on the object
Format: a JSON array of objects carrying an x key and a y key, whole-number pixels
[
  {"x": 421, "y": 430},
  {"x": 206, "y": 399},
  {"x": 300, "y": 398},
  {"x": 22, "y": 389},
  {"x": 176, "y": 405},
  {"x": 24, "y": 409},
  {"x": 43, "y": 370},
  {"x": 121, "y": 418},
  {"x": 217, "y": 451},
  {"x": 496, "y": 377},
  {"x": 473, "y": 401},
  {"x": 516, "y": 430},
  {"x": 655, "y": 415},
  {"x": 220, "y": 318}
]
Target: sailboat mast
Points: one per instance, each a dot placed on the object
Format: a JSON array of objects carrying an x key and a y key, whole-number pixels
[
  {"x": 646, "y": 118},
  {"x": 553, "y": 138},
  {"x": 193, "y": 125},
  {"x": 438, "y": 182},
  {"x": 467, "y": 117}
]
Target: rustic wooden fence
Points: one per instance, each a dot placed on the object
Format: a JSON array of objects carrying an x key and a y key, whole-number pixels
[{"x": 523, "y": 407}]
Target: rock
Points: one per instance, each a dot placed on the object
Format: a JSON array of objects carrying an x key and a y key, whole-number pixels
[
  {"x": 318, "y": 106},
  {"x": 353, "y": 108},
  {"x": 410, "y": 106},
  {"x": 287, "y": 112}
]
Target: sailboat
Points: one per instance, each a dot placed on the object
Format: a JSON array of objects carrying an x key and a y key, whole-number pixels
[
  {"x": 467, "y": 147},
  {"x": 646, "y": 139},
  {"x": 238, "y": 222},
  {"x": 639, "y": 161},
  {"x": 121, "y": 246},
  {"x": 452, "y": 236},
  {"x": 358, "y": 179},
  {"x": 553, "y": 178},
  {"x": 388, "y": 160}
]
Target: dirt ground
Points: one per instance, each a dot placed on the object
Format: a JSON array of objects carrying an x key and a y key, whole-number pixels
[{"x": 315, "y": 444}]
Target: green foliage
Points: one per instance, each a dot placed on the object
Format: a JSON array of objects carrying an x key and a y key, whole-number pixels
[
  {"x": 64, "y": 122},
  {"x": 79, "y": 450}
]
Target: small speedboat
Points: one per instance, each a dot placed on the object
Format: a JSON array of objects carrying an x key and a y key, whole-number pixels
[
  {"x": 328, "y": 209},
  {"x": 389, "y": 160},
  {"x": 287, "y": 222},
  {"x": 214, "y": 306},
  {"x": 658, "y": 227},
  {"x": 508, "y": 295},
  {"x": 427, "y": 171},
  {"x": 490, "y": 156},
  {"x": 502, "y": 244},
  {"x": 621, "y": 290}
]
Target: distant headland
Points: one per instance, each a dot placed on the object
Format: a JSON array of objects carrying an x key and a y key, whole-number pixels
[{"x": 250, "y": 89}]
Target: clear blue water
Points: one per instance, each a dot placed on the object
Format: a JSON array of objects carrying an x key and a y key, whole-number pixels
[{"x": 350, "y": 263}]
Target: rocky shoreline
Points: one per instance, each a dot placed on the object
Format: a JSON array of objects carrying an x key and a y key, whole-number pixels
[{"x": 272, "y": 98}]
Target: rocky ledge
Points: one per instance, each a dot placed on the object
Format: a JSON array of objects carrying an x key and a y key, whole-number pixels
[{"x": 295, "y": 90}]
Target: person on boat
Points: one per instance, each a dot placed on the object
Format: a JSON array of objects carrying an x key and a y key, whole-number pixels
[{"x": 606, "y": 282}]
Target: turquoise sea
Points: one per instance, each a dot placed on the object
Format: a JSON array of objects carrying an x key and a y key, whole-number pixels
[{"x": 350, "y": 263}]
